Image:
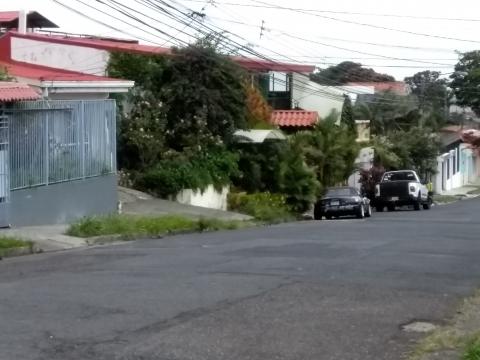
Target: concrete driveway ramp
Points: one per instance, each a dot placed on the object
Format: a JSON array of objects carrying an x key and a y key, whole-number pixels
[{"x": 135, "y": 202}]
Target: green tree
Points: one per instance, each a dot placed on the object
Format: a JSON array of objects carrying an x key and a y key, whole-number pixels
[
  {"x": 4, "y": 75},
  {"x": 388, "y": 112},
  {"x": 205, "y": 96},
  {"x": 348, "y": 71},
  {"x": 330, "y": 150},
  {"x": 347, "y": 118},
  {"x": 432, "y": 94},
  {"x": 466, "y": 80}
]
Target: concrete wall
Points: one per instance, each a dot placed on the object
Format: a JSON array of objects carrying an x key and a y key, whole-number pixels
[
  {"x": 209, "y": 198},
  {"x": 311, "y": 96},
  {"x": 63, "y": 202},
  {"x": 63, "y": 56}
]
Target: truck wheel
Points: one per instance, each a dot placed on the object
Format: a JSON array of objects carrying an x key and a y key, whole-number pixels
[
  {"x": 317, "y": 214},
  {"x": 391, "y": 207},
  {"x": 416, "y": 205},
  {"x": 428, "y": 204},
  {"x": 329, "y": 217},
  {"x": 379, "y": 208}
]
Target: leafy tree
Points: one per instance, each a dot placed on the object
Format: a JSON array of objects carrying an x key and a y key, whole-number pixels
[
  {"x": 142, "y": 132},
  {"x": 388, "y": 112},
  {"x": 258, "y": 110},
  {"x": 432, "y": 94},
  {"x": 466, "y": 80},
  {"x": 205, "y": 97},
  {"x": 348, "y": 71},
  {"x": 347, "y": 115},
  {"x": 330, "y": 150}
]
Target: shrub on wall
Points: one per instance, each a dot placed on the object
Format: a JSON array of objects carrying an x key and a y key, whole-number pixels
[{"x": 184, "y": 171}]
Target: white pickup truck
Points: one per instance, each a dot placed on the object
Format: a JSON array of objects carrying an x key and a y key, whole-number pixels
[{"x": 399, "y": 188}]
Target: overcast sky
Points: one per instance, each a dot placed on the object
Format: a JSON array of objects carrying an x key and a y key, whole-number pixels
[{"x": 309, "y": 36}]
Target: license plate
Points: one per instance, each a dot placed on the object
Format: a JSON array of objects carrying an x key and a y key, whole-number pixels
[
  {"x": 335, "y": 203},
  {"x": 394, "y": 198}
]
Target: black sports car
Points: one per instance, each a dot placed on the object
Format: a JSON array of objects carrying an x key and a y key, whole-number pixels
[{"x": 342, "y": 201}]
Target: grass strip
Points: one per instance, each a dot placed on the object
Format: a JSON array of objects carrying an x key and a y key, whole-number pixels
[
  {"x": 10, "y": 243},
  {"x": 134, "y": 226}
]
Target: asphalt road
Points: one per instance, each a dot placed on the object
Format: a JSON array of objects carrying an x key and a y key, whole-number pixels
[{"x": 307, "y": 291}]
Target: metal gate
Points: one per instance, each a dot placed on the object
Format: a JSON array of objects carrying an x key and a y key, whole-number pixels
[{"x": 4, "y": 171}]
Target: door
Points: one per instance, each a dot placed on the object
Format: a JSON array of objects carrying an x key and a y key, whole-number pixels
[{"x": 4, "y": 172}]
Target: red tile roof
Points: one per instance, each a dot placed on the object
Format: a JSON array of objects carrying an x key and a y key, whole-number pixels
[
  {"x": 11, "y": 91},
  {"x": 399, "y": 87},
  {"x": 297, "y": 118},
  {"x": 43, "y": 73}
]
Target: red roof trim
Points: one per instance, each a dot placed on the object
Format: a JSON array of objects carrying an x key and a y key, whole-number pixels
[
  {"x": 7, "y": 16},
  {"x": 294, "y": 118},
  {"x": 11, "y": 91},
  {"x": 44, "y": 73},
  {"x": 96, "y": 43},
  {"x": 265, "y": 65}
]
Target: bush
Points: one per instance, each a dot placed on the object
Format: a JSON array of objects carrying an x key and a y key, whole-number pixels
[
  {"x": 262, "y": 206},
  {"x": 181, "y": 171}
]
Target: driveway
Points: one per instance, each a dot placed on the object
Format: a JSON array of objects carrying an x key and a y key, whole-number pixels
[{"x": 310, "y": 290}]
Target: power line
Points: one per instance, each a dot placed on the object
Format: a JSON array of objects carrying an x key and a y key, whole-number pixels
[
  {"x": 370, "y": 25},
  {"x": 345, "y": 12}
]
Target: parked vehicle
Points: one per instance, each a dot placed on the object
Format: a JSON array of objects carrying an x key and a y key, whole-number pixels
[
  {"x": 342, "y": 201},
  {"x": 399, "y": 188}
]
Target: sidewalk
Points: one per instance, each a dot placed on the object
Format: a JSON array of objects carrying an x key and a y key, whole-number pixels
[
  {"x": 46, "y": 237},
  {"x": 52, "y": 237},
  {"x": 464, "y": 191}
]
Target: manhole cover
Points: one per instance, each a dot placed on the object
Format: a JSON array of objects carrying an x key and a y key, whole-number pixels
[{"x": 419, "y": 327}]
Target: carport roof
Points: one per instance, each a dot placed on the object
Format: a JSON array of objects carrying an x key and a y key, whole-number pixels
[{"x": 12, "y": 91}]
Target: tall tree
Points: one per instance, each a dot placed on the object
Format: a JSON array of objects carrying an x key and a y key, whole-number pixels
[
  {"x": 347, "y": 115},
  {"x": 348, "y": 71},
  {"x": 432, "y": 94},
  {"x": 466, "y": 80}
]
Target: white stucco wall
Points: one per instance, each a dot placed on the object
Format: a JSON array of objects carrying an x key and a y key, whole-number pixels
[
  {"x": 209, "y": 198},
  {"x": 63, "y": 56},
  {"x": 311, "y": 96}
]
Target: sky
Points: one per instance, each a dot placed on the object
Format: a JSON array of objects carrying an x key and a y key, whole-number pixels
[{"x": 308, "y": 32}]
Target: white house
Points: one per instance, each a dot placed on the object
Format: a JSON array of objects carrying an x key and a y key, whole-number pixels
[{"x": 458, "y": 165}]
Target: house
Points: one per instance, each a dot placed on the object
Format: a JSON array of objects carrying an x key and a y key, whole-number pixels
[
  {"x": 459, "y": 164},
  {"x": 58, "y": 155}
]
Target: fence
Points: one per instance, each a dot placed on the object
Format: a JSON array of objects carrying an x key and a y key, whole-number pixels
[{"x": 58, "y": 141}]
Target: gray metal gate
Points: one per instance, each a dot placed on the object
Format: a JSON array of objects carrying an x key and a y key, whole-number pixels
[{"x": 4, "y": 171}]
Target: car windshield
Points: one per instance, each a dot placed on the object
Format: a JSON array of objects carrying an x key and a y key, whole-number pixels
[
  {"x": 341, "y": 192},
  {"x": 399, "y": 176}
]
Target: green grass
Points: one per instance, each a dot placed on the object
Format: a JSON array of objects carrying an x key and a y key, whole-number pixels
[
  {"x": 9, "y": 243},
  {"x": 472, "y": 350},
  {"x": 134, "y": 226},
  {"x": 445, "y": 199}
]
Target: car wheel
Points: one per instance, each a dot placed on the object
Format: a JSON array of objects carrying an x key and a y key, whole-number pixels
[
  {"x": 379, "y": 208},
  {"x": 368, "y": 213},
  {"x": 317, "y": 213},
  {"x": 391, "y": 207},
  {"x": 417, "y": 204},
  {"x": 361, "y": 212},
  {"x": 329, "y": 217}
]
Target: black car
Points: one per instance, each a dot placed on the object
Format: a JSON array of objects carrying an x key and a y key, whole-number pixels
[{"x": 342, "y": 201}]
